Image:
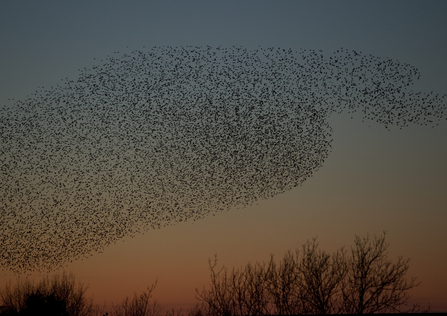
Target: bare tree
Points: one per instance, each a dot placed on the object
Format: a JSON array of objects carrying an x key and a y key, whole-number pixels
[
  {"x": 311, "y": 281},
  {"x": 241, "y": 291},
  {"x": 219, "y": 299},
  {"x": 283, "y": 284},
  {"x": 319, "y": 278},
  {"x": 140, "y": 305},
  {"x": 374, "y": 283},
  {"x": 251, "y": 290}
]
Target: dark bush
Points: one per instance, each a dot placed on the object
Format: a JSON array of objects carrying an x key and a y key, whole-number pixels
[{"x": 59, "y": 296}]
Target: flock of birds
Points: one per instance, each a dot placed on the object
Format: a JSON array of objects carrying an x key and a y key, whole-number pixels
[{"x": 151, "y": 138}]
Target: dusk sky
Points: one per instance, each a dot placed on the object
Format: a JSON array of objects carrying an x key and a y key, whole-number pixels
[{"x": 374, "y": 179}]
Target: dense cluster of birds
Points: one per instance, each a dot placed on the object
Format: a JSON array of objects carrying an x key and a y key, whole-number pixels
[{"x": 150, "y": 138}]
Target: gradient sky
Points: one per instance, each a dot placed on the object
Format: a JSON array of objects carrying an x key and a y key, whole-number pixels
[{"x": 373, "y": 180}]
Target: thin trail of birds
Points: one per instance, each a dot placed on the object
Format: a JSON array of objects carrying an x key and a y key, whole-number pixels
[{"x": 151, "y": 138}]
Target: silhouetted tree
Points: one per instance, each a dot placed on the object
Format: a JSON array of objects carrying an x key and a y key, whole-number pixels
[
  {"x": 283, "y": 284},
  {"x": 140, "y": 305},
  {"x": 44, "y": 304},
  {"x": 374, "y": 283},
  {"x": 319, "y": 278},
  {"x": 251, "y": 288},
  {"x": 219, "y": 299},
  {"x": 237, "y": 292},
  {"x": 59, "y": 296},
  {"x": 311, "y": 281}
]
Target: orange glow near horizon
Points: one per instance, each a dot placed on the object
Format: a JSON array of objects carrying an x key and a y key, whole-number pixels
[{"x": 117, "y": 115}]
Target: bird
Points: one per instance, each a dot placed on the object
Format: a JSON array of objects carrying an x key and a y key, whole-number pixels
[{"x": 162, "y": 135}]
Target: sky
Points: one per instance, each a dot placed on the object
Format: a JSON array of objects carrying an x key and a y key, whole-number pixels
[{"x": 374, "y": 179}]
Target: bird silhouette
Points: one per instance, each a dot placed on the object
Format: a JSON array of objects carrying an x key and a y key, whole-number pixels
[{"x": 171, "y": 134}]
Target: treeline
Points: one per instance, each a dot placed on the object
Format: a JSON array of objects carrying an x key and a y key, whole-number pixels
[
  {"x": 308, "y": 280},
  {"x": 311, "y": 281}
]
